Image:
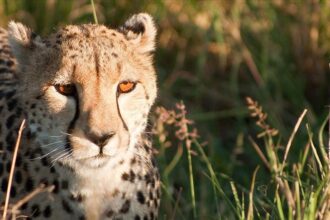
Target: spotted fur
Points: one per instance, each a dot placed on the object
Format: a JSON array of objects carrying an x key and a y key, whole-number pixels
[{"x": 90, "y": 144}]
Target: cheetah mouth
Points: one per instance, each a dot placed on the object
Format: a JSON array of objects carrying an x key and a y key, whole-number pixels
[{"x": 95, "y": 161}]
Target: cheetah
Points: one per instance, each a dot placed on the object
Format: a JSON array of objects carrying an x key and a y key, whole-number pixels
[{"x": 85, "y": 92}]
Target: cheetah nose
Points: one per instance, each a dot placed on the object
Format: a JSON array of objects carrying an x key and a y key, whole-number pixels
[{"x": 100, "y": 140}]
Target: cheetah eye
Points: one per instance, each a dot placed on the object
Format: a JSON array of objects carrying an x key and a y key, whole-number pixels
[
  {"x": 126, "y": 86},
  {"x": 67, "y": 90}
]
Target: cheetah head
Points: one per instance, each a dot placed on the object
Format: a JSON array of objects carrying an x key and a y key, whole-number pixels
[{"x": 87, "y": 90}]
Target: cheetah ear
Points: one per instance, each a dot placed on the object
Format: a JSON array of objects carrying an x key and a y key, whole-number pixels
[
  {"x": 22, "y": 40},
  {"x": 140, "y": 29}
]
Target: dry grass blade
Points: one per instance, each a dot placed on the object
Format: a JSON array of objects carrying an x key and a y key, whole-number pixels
[
  {"x": 259, "y": 152},
  {"x": 94, "y": 12},
  {"x": 288, "y": 146},
  {"x": 329, "y": 139},
  {"x": 42, "y": 188},
  {"x": 12, "y": 168},
  {"x": 176, "y": 204},
  {"x": 250, "y": 210}
]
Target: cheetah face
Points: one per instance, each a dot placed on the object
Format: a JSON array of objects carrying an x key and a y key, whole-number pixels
[{"x": 88, "y": 89}]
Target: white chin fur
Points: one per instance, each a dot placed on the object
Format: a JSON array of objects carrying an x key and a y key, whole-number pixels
[{"x": 95, "y": 162}]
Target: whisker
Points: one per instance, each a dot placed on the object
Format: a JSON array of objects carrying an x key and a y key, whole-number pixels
[
  {"x": 65, "y": 133},
  {"x": 58, "y": 154},
  {"x": 67, "y": 156},
  {"x": 43, "y": 156},
  {"x": 53, "y": 162},
  {"x": 55, "y": 136},
  {"x": 47, "y": 145},
  {"x": 64, "y": 154}
]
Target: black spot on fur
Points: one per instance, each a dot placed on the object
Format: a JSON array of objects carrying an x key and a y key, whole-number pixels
[
  {"x": 12, "y": 192},
  {"x": 79, "y": 198},
  {"x": 147, "y": 149},
  {"x": 4, "y": 184},
  {"x": 156, "y": 202},
  {"x": 10, "y": 140},
  {"x": 12, "y": 104},
  {"x": 8, "y": 166},
  {"x": 47, "y": 211},
  {"x": 25, "y": 166},
  {"x": 29, "y": 185},
  {"x": 133, "y": 161},
  {"x": 52, "y": 170},
  {"x": 109, "y": 213},
  {"x": 18, "y": 176},
  {"x": 147, "y": 178},
  {"x": 64, "y": 184},
  {"x": 3, "y": 70},
  {"x": 153, "y": 162},
  {"x": 152, "y": 183},
  {"x": 10, "y": 94},
  {"x": 24, "y": 206},
  {"x": 140, "y": 197},
  {"x": 45, "y": 162},
  {"x": 10, "y": 63},
  {"x": 125, "y": 207},
  {"x": 66, "y": 207},
  {"x": 125, "y": 176},
  {"x": 18, "y": 161},
  {"x": 1, "y": 169},
  {"x": 35, "y": 210},
  {"x": 132, "y": 176},
  {"x": 137, "y": 217}
]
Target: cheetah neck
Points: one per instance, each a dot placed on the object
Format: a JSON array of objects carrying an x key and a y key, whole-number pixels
[
  {"x": 117, "y": 182},
  {"x": 101, "y": 192}
]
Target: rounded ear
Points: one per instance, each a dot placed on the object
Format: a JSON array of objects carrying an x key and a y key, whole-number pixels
[
  {"x": 22, "y": 41},
  {"x": 141, "y": 31}
]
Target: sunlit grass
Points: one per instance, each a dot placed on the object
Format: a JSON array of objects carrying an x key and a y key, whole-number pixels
[{"x": 212, "y": 54}]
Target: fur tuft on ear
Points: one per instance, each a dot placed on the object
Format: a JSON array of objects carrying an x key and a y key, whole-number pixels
[
  {"x": 140, "y": 29},
  {"x": 19, "y": 33},
  {"x": 22, "y": 40}
]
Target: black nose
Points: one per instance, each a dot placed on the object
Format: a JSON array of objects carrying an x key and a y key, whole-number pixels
[{"x": 100, "y": 140}]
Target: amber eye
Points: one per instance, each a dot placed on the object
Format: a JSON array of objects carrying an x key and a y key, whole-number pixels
[
  {"x": 126, "y": 86},
  {"x": 67, "y": 90}
]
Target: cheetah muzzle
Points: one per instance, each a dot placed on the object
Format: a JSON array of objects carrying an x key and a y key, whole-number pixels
[{"x": 86, "y": 92}]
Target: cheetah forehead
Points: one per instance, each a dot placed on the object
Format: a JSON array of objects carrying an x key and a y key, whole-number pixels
[
  {"x": 87, "y": 31},
  {"x": 88, "y": 49},
  {"x": 91, "y": 48}
]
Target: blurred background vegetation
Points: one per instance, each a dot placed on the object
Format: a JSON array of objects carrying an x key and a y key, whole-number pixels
[{"x": 211, "y": 54}]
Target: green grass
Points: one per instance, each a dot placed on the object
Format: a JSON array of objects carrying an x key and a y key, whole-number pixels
[{"x": 211, "y": 55}]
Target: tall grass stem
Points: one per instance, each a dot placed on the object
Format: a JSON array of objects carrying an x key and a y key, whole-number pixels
[
  {"x": 94, "y": 12},
  {"x": 192, "y": 186},
  {"x": 12, "y": 168}
]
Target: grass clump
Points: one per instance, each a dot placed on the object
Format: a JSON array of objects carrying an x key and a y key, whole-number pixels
[{"x": 295, "y": 189}]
